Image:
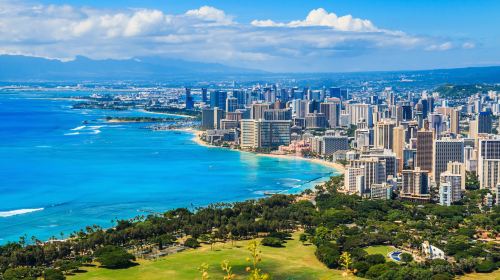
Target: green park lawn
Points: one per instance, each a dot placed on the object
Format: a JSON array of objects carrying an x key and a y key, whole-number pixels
[
  {"x": 381, "y": 249},
  {"x": 295, "y": 261},
  {"x": 481, "y": 276},
  {"x": 292, "y": 262}
]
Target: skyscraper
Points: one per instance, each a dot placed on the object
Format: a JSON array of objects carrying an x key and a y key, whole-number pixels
[
  {"x": 398, "y": 145},
  {"x": 231, "y": 104},
  {"x": 453, "y": 190},
  {"x": 218, "y": 99},
  {"x": 358, "y": 112},
  {"x": 455, "y": 122},
  {"x": 207, "y": 118},
  {"x": 316, "y": 120},
  {"x": 374, "y": 171},
  {"x": 384, "y": 134},
  {"x": 204, "y": 95},
  {"x": 446, "y": 150},
  {"x": 415, "y": 185},
  {"x": 189, "y": 99},
  {"x": 257, "y": 111},
  {"x": 264, "y": 134},
  {"x": 484, "y": 122},
  {"x": 424, "y": 150},
  {"x": 331, "y": 109},
  {"x": 488, "y": 165}
]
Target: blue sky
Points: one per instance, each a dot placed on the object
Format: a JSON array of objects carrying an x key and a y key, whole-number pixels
[{"x": 298, "y": 36}]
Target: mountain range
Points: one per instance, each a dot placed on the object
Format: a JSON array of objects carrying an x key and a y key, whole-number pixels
[{"x": 27, "y": 68}]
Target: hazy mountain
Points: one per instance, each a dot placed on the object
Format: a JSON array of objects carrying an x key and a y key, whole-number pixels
[{"x": 25, "y": 68}]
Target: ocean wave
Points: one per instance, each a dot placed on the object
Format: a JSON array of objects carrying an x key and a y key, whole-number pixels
[
  {"x": 43, "y": 146},
  {"x": 5, "y": 214},
  {"x": 79, "y": 128},
  {"x": 72, "y": 133},
  {"x": 97, "y": 131}
]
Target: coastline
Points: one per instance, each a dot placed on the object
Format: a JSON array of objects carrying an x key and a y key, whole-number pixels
[
  {"x": 169, "y": 114},
  {"x": 335, "y": 166}
]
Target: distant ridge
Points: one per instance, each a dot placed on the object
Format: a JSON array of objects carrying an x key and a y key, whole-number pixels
[{"x": 24, "y": 68}]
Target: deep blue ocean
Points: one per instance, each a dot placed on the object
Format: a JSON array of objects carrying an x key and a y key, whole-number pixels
[{"x": 58, "y": 175}]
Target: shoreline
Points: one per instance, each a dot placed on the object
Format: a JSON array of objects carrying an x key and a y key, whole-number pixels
[
  {"x": 169, "y": 114},
  {"x": 335, "y": 166}
]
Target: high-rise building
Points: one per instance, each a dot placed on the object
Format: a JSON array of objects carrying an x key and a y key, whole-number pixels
[
  {"x": 488, "y": 163},
  {"x": 218, "y": 116},
  {"x": 473, "y": 129},
  {"x": 331, "y": 144},
  {"x": 457, "y": 168},
  {"x": 207, "y": 118},
  {"x": 204, "y": 98},
  {"x": 445, "y": 194},
  {"x": 484, "y": 122},
  {"x": 455, "y": 122},
  {"x": 388, "y": 157},
  {"x": 453, "y": 190},
  {"x": 424, "y": 150},
  {"x": 407, "y": 113},
  {"x": 264, "y": 134},
  {"x": 316, "y": 120},
  {"x": 415, "y": 185},
  {"x": 446, "y": 150},
  {"x": 278, "y": 114},
  {"x": 257, "y": 111},
  {"x": 384, "y": 134},
  {"x": 189, "y": 99},
  {"x": 358, "y": 112},
  {"x": 331, "y": 109},
  {"x": 334, "y": 92},
  {"x": 381, "y": 191},
  {"x": 231, "y": 104},
  {"x": 398, "y": 145},
  {"x": 374, "y": 171},
  {"x": 354, "y": 180},
  {"x": 437, "y": 124},
  {"x": 218, "y": 99}
]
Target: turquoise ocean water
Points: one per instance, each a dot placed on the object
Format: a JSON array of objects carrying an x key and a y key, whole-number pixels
[{"x": 58, "y": 175}]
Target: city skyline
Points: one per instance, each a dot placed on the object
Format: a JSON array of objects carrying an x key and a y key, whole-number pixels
[{"x": 320, "y": 36}]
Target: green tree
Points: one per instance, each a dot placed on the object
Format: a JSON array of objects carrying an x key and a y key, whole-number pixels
[
  {"x": 191, "y": 243},
  {"x": 272, "y": 242},
  {"x": 53, "y": 274},
  {"x": 17, "y": 273},
  {"x": 114, "y": 257},
  {"x": 406, "y": 258}
]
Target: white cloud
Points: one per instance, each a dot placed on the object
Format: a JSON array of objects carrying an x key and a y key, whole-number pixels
[
  {"x": 440, "y": 47},
  {"x": 204, "y": 34},
  {"x": 468, "y": 45},
  {"x": 320, "y": 17},
  {"x": 211, "y": 14}
]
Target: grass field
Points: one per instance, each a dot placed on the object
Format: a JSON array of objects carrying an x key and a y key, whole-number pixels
[
  {"x": 295, "y": 262},
  {"x": 481, "y": 276},
  {"x": 384, "y": 250}
]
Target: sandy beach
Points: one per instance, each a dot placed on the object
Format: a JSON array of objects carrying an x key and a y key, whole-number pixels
[
  {"x": 169, "y": 114},
  {"x": 334, "y": 165},
  {"x": 196, "y": 138}
]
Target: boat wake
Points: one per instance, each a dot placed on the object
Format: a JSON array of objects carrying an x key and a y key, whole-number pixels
[{"x": 5, "y": 214}]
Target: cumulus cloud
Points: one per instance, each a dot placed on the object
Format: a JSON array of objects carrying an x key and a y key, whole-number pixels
[
  {"x": 204, "y": 34},
  {"x": 440, "y": 47},
  {"x": 320, "y": 17},
  {"x": 211, "y": 14},
  {"x": 468, "y": 45}
]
